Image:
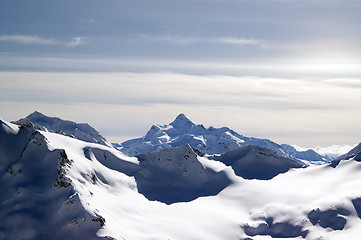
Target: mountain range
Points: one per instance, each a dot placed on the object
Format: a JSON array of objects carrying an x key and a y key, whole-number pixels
[
  {"x": 210, "y": 141},
  {"x": 55, "y": 185}
]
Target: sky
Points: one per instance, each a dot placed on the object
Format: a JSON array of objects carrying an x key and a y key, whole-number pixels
[{"x": 287, "y": 70}]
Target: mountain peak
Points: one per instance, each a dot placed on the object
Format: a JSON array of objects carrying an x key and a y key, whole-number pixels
[
  {"x": 40, "y": 119},
  {"x": 210, "y": 141},
  {"x": 182, "y": 121},
  {"x": 37, "y": 114},
  {"x": 81, "y": 131}
]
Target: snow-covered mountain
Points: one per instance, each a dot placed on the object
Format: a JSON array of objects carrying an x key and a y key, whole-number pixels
[
  {"x": 354, "y": 153},
  {"x": 210, "y": 140},
  {"x": 58, "y": 187},
  {"x": 254, "y": 162},
  {"x": 330, "y": 153},
  {"x": 82, "y": 131},
  {"x": 178, "y": 175},
  {"x": 38, "y": 200}
]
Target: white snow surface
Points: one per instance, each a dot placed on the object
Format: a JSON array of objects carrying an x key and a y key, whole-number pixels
[
  {"x": 102, "y": 186},
  {"x": 210, "y": 140},
  {"x": 82, "y": 131},
  {"x": 9, "y": 128}
]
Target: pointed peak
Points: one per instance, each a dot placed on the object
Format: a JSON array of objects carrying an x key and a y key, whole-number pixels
[
  {"x": 181, "y": 115},
  {"x": 182, "y": 121},
  {"x": 36, "y": 114}
]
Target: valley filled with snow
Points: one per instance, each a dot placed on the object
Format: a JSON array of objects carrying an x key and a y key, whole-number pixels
[{"x": 62, "y": 180}]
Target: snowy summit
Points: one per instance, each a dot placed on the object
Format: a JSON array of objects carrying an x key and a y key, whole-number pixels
[
  {"x": 210, "y": 140},
  {"x": 82, "y": 131},
  {"x": 182, "y": 122}
]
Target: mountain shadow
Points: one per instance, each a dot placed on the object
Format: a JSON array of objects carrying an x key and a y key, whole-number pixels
[
  {"x": 254, "y": 162},
  {"x": 176, "y": 175}
]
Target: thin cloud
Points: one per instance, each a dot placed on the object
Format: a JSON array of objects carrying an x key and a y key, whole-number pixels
[
  {"x": 228, "y": 40},
  {"x": 263, "y": 44},
  {"x": 238, "y": 41},
  {"x": 293, "y": 68},
  {"x": 172, "y": 39},
  {"x": 90, "y": 21},
  {"x": 35, "y": 39},
  {"x": 76, "y": 41},
  {"x": 198, "y": 40},
  {"x": 27, "y": 39}
]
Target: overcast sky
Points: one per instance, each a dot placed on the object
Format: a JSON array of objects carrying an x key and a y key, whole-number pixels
[{"x": 289, "y": 70}]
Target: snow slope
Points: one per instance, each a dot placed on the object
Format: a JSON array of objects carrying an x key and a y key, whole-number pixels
[
  {"x": 82, "y": 131},
  {"x": 58, "y": 187},
  {"x": 210, "y": 140},
  {"x": 37, "y": 200}
]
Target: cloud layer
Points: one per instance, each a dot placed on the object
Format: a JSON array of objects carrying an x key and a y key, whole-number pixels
[{"x": 304, "y": 112}]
